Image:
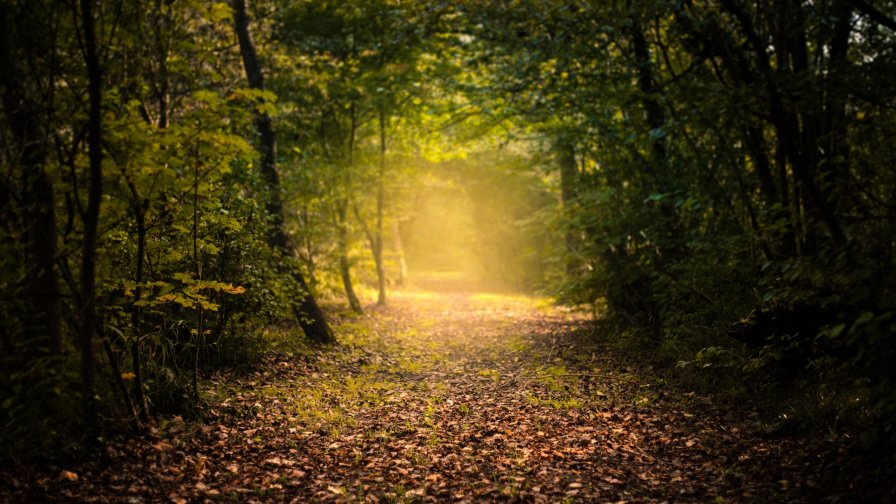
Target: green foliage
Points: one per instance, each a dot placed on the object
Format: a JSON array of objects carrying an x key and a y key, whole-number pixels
[
  {"x": 33, "y": 396},
  {"x": 694, "y": 200},
  {"x": 185, "y": 276},
  {"x": 682, "y": 167}
]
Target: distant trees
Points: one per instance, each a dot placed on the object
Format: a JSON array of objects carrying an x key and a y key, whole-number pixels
[
  {"x": 732, "y": 157},
  {"x": 363, "y": 74}
]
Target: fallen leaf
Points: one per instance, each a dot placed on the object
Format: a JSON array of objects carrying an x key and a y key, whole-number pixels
[{"x": 68, "y": 475}]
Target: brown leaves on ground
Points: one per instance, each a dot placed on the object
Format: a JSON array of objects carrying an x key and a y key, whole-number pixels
[{"x": 446, "y": 396}]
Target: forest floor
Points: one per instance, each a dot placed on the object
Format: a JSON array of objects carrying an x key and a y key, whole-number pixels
[{"x": 448, "y": 394}]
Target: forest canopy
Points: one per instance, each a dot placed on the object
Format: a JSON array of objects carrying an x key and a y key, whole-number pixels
[{"x": 715, "y": 180}]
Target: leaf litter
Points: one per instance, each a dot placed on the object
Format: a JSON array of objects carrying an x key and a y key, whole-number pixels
[{"x": 447, "y": 397}]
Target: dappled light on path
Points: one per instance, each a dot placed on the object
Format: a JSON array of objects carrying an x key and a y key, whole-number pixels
[{"x": 447, "y": 394}]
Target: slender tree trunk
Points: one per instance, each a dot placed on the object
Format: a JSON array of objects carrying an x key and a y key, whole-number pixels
[
  {"x": 834, "y": 121},
  {"x": 309, "y": 315},
  {"x": 342, "y": 214},
  {"x": 307, "y": 248},
  {"x": 345, "y": 272},
  {"x": 137, "y": 319},
  {"x": 399, "y": 253},
  {"x": 43, "y": 322},
  {"x": 655, "y": 118},
  {"x": 775, "y": 200},
  {"x": 344, "y": 266},
  {"x": 653, "y": 111},
  {"x": 380, "y": 203},
  {"x": 119, "y": 381},
  {"x": 569, "y": 172},
  {"x": 161, "y": 22},
  {"x": 87, "y": 310},
  {"x": 162, "y": 55},
  {"x": 197, "y": 270},
  {"x": 758, "y": 155},
  {"x": 789, "y": 243}
]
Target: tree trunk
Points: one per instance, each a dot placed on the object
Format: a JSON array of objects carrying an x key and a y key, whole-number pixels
[
  {"x": 789, "y": 244},
  {"x": 835, "y": 148},
  {"x": 91, "y": 221},
  {"x": 380, "y": 202},
  {"x": 798, "y": 146},
  {"x": 308, "y": 313},
  {"x": 655, "y": 118},
  {"x": 162, "y": 54},
  {"x": 653, "y": 111},
  {"x": 801, "y": 145},
  {"x": 307, "y": 248},
  {"x": 399, "y": 253},
  {"x": 758, "y": 155},
  {"x": 137, "y": 318},
  {"x": 119, "y": 381},
  {"x": 735, "y": 60},
  {"x": 569, "y": 172},
  {"x": 344, "y": 267},
  {"x": 43, "y": 319}
]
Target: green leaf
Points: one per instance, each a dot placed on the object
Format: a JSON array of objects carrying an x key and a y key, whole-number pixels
[
  {"x": 835, "y": 330},
  {"x": 864, "y": 318}
]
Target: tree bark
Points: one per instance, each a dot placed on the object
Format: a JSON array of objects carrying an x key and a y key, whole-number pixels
[
  {"x": 344, "y": 266},
  {"x": 137, "y": 317},
  {"x": 835, "y": 147},
  {"x": 653, "y": 111},
  {"x": 801, "y": 144},
  {"x": 380, "y": 202},
  {"x": 399, "y": 253},
  {"x": 798, "y": 146},
  {"x": 759, "y": 155},
  {"x": 119, "y": 381},
  {"x": 342, "y": 211},
  {"x": 87, "y": 310},
  {"x": 309, "y": 315},
  {"x": 774, "y": 186},
  {"x": 159, "y": 17},
  {"x": 569, "y": 172},
  {"x": 655, "y": 117}
]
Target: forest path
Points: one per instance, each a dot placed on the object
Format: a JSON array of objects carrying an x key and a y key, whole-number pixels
[{"x": 448, "y": 395}]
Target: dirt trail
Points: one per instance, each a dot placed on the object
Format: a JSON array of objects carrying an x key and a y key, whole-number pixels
[{"x": 446, "y": 396}]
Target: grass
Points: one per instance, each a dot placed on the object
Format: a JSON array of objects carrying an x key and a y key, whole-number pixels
[
  {"x": 489, "y": 373},
  {"x": 519, "y": 344},
  {"x": 518, "y": 301},
  {"x": 558, "y": 403}
]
